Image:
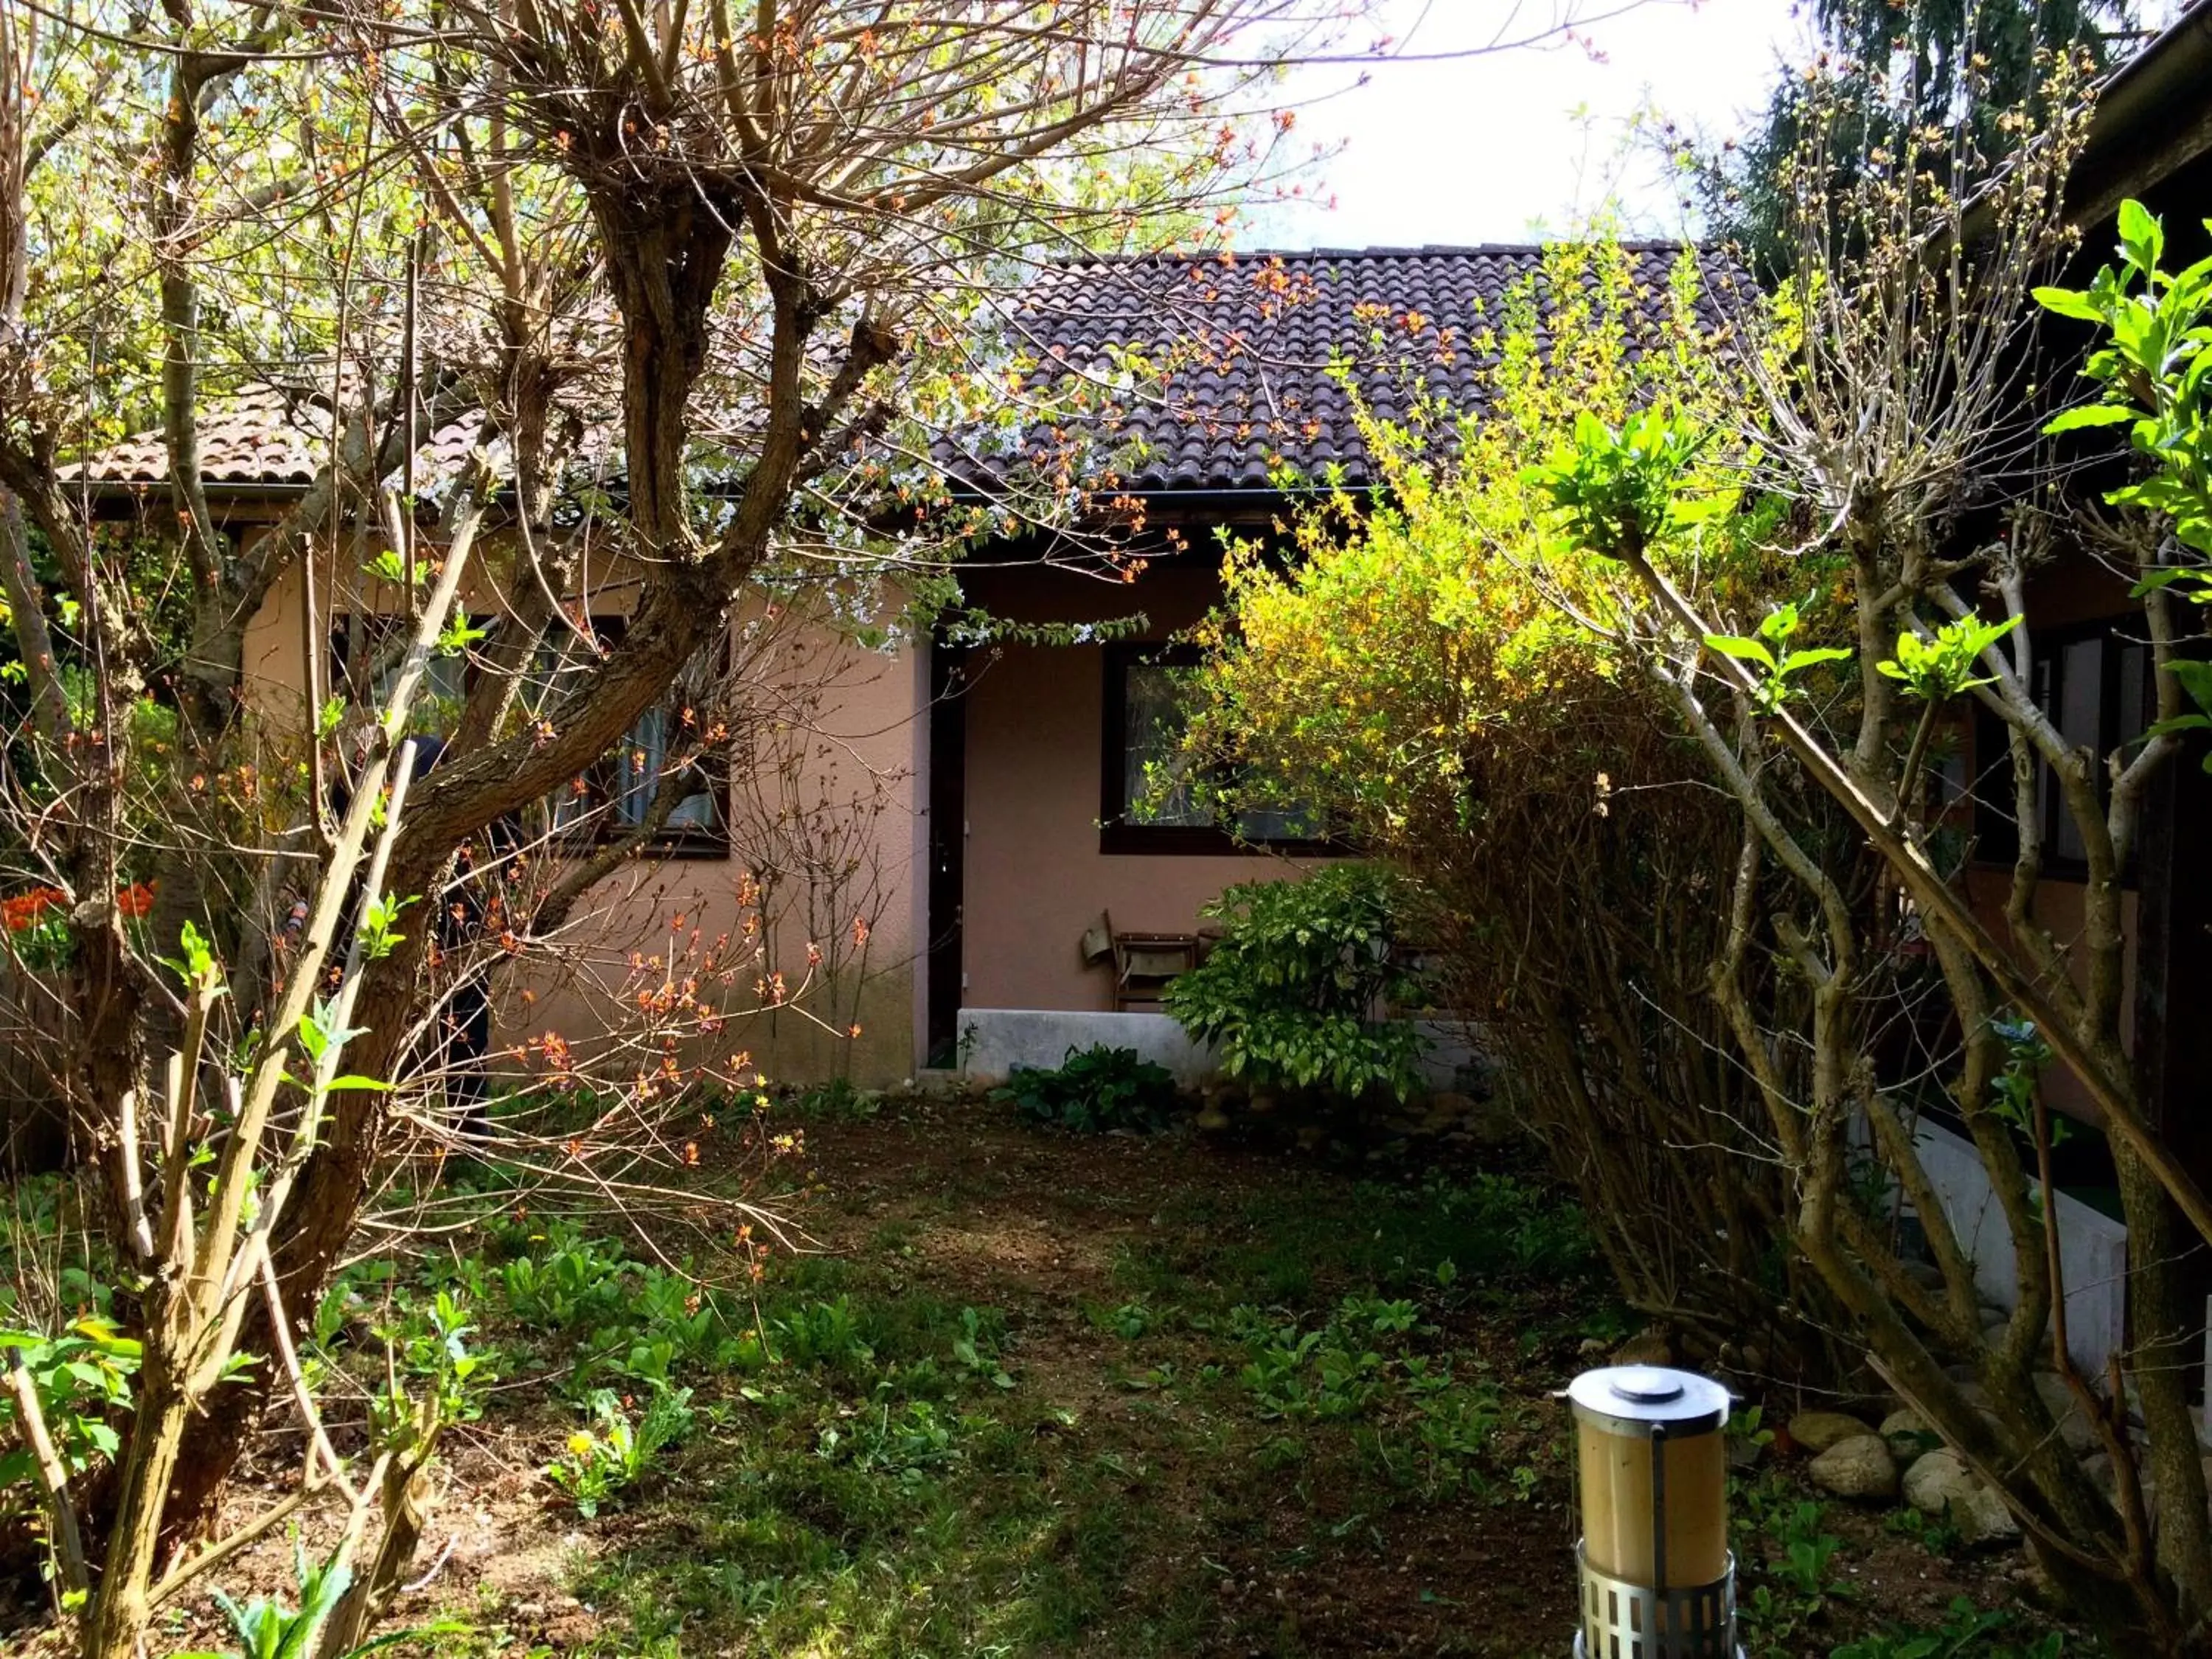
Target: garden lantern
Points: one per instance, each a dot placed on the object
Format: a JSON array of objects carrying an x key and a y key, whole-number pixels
[{"x": 1657, "y": 1578}]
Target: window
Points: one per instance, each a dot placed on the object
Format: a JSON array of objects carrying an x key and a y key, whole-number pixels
[
  {"x": 1150, "y": 799},
  {"x": 381, "y": 641},
  {"x": 2095, "y": 685},
  {"x": 616, "y": 794}
]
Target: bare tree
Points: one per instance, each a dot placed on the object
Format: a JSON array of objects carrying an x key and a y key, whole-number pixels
[{"x": 1893, "y": 408}]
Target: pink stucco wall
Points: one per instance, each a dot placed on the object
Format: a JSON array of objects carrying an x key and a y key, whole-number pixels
[
  {"x": 1034, "y": 878},
  {"x": 832, "y": 815}
]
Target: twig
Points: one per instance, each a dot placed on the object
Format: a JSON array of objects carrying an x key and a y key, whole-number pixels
[
  {"x": 436, "y": 1567},
  {"x": 301, "y": 1395},
  {"x": 311, "y": 1485},
  {"x": 52, "y": 1473}
]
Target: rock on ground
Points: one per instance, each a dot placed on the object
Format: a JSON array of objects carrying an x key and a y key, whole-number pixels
[
  {"x": 1859, "y": 1467},
  {"x": 2073, "y": 1429},
  {"x": 1818, "y": 1430},
  {"x": 1940, "y": 1483},
  {"x": 1908, "y": 1434}
]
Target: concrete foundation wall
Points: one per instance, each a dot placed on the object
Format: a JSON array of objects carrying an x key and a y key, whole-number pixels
[
  {"x": 995, "y": 1041},
  {"x": 2092, "y": 1248}
]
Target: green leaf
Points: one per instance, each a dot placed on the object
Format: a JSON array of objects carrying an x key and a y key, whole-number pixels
[
  {"x": 2196, "y": 678},
  {"x": 2073, "y": 420},
  {"x": 355, "y": 1080},
  {"x": 1734, "y": 645},
  {"x": 2164, "y": 577},
  {"x": 2142, "y": 238},
  {"x": 1799, "y": 659},
  {"x": 2069, "y": 303}
]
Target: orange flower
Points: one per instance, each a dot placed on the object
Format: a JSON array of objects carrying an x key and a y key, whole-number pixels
[{"x": 24, "y": 910}]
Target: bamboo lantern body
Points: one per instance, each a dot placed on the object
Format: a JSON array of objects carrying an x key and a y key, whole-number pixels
[{"x": 1658, "y": 1581}]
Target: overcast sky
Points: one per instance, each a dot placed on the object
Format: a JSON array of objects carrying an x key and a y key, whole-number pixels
[{"x": 1500, "y": 148}]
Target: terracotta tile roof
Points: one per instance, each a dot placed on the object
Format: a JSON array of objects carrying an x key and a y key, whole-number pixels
[
  {"x": 260, "y": 437},
  {"x": 1243, "y": 348},
  {"x": 264, "y": 437},
  {"x": 1206, "y": 372}
]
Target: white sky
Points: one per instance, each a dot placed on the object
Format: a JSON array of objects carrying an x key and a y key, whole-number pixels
[{"x": 1501, "y": 147}]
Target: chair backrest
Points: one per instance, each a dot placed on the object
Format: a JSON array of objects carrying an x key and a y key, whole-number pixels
[{"x": 1097, "y": 944}]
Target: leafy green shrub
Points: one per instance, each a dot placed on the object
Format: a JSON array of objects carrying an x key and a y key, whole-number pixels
[
  {"x": 826, "y": 1335},
  {"x": 975, "y": 1350},
  {"x": 837, "y": 1100},
  {"x": 1291, "y": 994},
  {"x": 266, "y": 1628},
  {"x": 1095, "y": 1090},
  {"x": 427, "y": 1343},
  {"x": 1535, "y": 1231},
  {"x": 572, "y": 1282},
  {"x": 908, "y": 1444},
  {"x": 1966, "y": 1633},
  {"x": 82, "y": 1379},
  {"x": 599, "y": 1463},
  {"x": 1799, "y": 1578},
  {"x": 1360, "y": 1366},
  {"x": 633, "y": 1322}
]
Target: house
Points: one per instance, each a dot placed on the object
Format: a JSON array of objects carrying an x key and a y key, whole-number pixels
[
  {"x": 953, "y": 816},
  {"x": 930, "y": 838},
  {"x": 1037, "y": 753}
]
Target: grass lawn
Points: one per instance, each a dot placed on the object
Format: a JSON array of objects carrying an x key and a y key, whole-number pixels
[{"x": 1037, "y": 1394}]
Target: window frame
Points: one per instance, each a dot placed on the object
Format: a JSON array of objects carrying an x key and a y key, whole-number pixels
[
  {"x": 709, "y": 841},
  {"x": 1120, "y": 837}
]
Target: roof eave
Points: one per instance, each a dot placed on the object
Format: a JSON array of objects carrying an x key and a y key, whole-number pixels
[{"x": 2153, "y": 119}]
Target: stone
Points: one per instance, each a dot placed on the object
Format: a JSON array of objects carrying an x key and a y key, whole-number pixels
[
  {"x": 1939, "y": 1484},
  {"x": 1492, "y": 1122},
  {"x": 1859, "y": 1467},
  {"x": 1908, "y": 1435},
  {"x": 2098, "y": 1467},
  {"x": 1815, "y": 1431},
  {"x": 2075, "y": 1429},
  {"x": 1212, "y": 1118}
]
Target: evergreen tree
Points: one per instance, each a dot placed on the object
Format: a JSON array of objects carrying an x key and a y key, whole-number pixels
[{"x": 1885, "y": 63}]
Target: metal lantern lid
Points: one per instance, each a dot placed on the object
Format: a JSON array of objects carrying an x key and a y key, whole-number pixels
[{"x": 1648, "y": 1401}]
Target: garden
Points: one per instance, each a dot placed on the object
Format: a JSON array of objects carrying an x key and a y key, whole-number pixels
[
  {"x": 493, "y": 502},
  {"x": 1029, "y": 1390}
]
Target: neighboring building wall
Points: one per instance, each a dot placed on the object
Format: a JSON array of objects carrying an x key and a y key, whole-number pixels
[
  {"x": 1034, "y": 878},
  {"x": 825, "y": 814}
]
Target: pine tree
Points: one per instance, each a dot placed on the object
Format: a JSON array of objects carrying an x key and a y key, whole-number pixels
[{"x": 1883, "y": 64}]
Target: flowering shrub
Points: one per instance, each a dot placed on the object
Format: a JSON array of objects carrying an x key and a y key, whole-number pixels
[
  {"x": 1421, "y": 673},
  {"x": 37, "y": 922}
]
